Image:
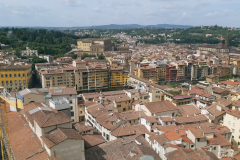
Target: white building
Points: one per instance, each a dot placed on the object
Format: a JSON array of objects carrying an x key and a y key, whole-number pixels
[{"x": 29, "y": 53}]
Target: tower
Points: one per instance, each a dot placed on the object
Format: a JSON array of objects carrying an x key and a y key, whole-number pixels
[{"x": 227, "y": 41}]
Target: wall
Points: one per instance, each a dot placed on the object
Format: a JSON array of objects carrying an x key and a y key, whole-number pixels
[{"x": 69, "y": 149}]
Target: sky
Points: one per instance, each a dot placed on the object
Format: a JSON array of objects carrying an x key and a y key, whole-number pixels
[{"x": 72, "y": 13}]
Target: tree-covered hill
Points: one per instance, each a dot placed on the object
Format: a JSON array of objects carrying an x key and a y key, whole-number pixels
[{"x": 50, "y": 42}]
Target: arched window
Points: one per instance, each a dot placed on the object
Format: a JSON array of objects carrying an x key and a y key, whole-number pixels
[
  {"x": 6, "y": 75},
  {"x": 10, "y": 75},
  {"x": 15, "y": 75}
]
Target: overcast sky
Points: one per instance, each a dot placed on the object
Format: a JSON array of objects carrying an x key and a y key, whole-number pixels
[{"x": 69, "y": 13}]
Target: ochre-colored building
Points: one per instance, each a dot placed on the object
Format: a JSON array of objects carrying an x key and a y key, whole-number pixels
[
  {"x": 95, "y": 46},
  {"x": 16, "y": 77}
]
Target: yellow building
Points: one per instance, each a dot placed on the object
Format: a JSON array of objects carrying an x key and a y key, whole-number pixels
[
  {"x": 84, "y": 76},
  {"x": 118, "y": 77},
  {"x": 147, "y": 72},
  {"x": 212, "y": 78},
  {"x": 95, "y": 45},
  {"x": 121, "y": 102},
  {"x": 16, "y": 77},
  {"x": 161, "y": 72},
  {"x": 180, "y": 72}
]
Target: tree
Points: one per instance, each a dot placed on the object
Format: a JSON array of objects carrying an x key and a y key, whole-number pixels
[
  {"x": 101, "y": 56},
  {"x": 74, "y": 56},
  {"x": 86, "y": 55}
]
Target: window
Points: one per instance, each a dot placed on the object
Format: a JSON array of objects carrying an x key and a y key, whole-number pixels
[
  {"x": 118, "y": 106},
  {"x": 214, "y": 148},
  {"x": 15, "y": 75},
  {"x": 80, "y": 112},
  {"x": 192, "y": 146},
  {"x": 229, "y": 122},
  {"x": 6, "y": 75},
  {"x": 15, "y": 81},
  {"x": 20, "y": 81},
  {"x": 10, "y": 82},
  {"x": 1, "y": 75},
  {"x": 72, "y": 114},
  {"x": 24, "y": 82},
  {"x": 233, "y": 130},
  {"x": 233, "y": 124},
  {"x": 19, "y": 75},
  {"x": 198, "y": 139},
  {"x": 23, "y": 75},
  {"x": 2, "y": 82},
  {"x": 232, "y": 136},
  {"x": 10, "y": 75}
]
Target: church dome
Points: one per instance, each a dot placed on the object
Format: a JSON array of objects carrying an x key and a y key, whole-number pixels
[{"x": 220, "y": 44}]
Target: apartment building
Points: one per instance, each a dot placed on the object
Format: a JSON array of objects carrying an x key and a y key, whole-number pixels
[
  {"x": 16, "y": 77},
  {"x": 171, "y": 73},
  {"x": 84, "y": 75},
  {"x": 231, "y": 120},
  {"x": 118, "y": 77},
  {"x": 180, "y": 66}
]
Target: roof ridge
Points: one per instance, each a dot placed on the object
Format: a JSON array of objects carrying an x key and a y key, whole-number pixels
[
  {"x": 63, "y": 132},
  {"x": 47, "y": 119}
]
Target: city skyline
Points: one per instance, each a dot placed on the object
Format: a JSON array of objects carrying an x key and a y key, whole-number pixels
[{"x": 70, "y": 13}]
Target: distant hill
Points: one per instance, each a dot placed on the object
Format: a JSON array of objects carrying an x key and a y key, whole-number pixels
[
  {"x": 110, "y": 26},
  {"x": 117, "y": 26}
]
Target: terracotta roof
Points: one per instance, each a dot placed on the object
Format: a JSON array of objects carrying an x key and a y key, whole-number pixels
[
  {"x": 160, "y": 106},
  {"x": 132, "y": 115},
  {"x": 186, "y": 139},
  {"x": 218, "y": 90},
  {"x": 140, "y": 129},
  {"x": 82, "y": 128},
  {"x": 123, "y": 130},
  {"x": 91, "y": 140},
  {"x": 196, "y": 91},
  {"x": 161, "y": 139},
  {"x": 197, "y": 132},
  {"x": 189, "y": 154},
  {"x": 23, "y": 144},
  {"x": 188, "y": 109},
  {"x": 59, "y": 135},
  {"x": 199, "y": 119},
  {"x": 181, "y": 97},
  {"x": 121, "y": 148},
  {"x": 48, "y": 118},
  {"x": 172, "y": 136}
]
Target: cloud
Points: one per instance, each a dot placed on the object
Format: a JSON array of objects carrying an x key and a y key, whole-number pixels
[
  {"x": 96, "y": 9},
  {"x": 72, "y": 3},
  {"x": 184, "y": 14},
  {"x": 219, "y": 14}
]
